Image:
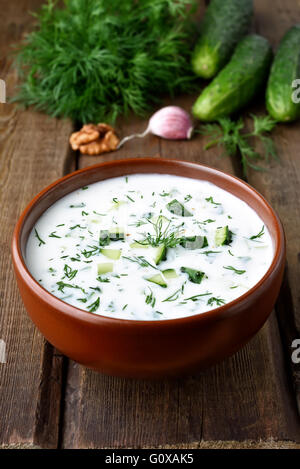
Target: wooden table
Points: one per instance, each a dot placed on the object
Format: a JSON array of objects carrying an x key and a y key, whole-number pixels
[{"x": 250, "y": 400}]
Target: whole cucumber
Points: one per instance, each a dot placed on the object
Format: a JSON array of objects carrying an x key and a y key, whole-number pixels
[
  {"x": 224, "y": 24},
  {"x": 236, "y": 85},
  {"x": 285, "y": 69}
]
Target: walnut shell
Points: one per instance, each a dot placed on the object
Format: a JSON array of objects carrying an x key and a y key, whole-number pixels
[{"x": 95, "y": 139}]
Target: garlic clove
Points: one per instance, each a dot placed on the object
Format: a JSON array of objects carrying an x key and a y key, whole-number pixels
[{"x": 172, "y": 123}]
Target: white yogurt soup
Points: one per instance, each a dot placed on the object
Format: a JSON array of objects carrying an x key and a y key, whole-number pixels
[{"x": 149, "y": 247}]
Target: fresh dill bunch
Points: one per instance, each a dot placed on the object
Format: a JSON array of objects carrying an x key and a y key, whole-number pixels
[
  {"x": 229, "y": 134},
  {"x": 94, "y": 60}
]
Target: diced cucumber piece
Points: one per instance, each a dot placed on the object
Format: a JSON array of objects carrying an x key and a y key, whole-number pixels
[
  {"x": 116, "y": 234},
  {"x": 223, "y": 236},
  {"x": 118, "y": 204},
  {"x": 105, "y": 268},
  {"x": 194, "y": 242},
  {"x": 114, "y": 254},
  {"x": 178, "y": 209},
  {"x": 104, "y": 239},
  {"x": 170, "y": 273},
  {"x": 160, "y": 254},
  {"x": 158, "y": 279},
  {"x": 195, "y": 276},
  {"x": 136, "y": 245}
]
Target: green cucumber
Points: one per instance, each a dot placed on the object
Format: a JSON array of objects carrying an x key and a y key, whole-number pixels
[
  {"x": 236, "y": 85},
  {"x": 158, "y": 279},
  {"x": 223, "y": 236},
  {"x": 178, "y": 209},
  {"x": 285, "y": 70},
  {"x": 170, "y": 273},
  {"x": 116, "y": 234},
  {"x": 195, "y": 276},
  {"x": 104, "y": 239},
  {"x": 160, "y": 254},
  {"x": 105, "y": 268},
  {"x": 136, "y": 245},
  {"x": 194, "y": 242},
  {"x": 113, "y": 254},
  {"x": 225, "y": 23}
]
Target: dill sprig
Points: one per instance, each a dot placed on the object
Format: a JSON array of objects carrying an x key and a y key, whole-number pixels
[
  {"x": 228, "y": 134},
  {"x": 41, "y": 241},
  {"x": 94, "y": 250},
  {"x": 211, "y": 200},
  {"x": 94, "y": 306},
  {"x": 197, "y": 297},
  {"x": 258, "y": 235},
  {"x": 94, "y": 60},
  {"x": 138, "y": 223},
  {"x": 218, "y": 301},
  {"x": 236, "y": 271},
  {"x": 150, "y": 298},
  {"x": 174, "y": 296},
  {"x": 53, "y": 235},
  {"x": 141, "y": 261},
  {"x": 164, "y": 234},
  {"x": 208, "y": 253},
  {"x": 69, "y": 272},
  {"x": 61, "y": 285}
]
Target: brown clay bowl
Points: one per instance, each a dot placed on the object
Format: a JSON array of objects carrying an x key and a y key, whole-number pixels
[{"x": 148, "y": 348}]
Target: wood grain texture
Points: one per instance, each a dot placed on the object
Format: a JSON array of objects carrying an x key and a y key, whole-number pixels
[
  {"x": 46, "y": 401},
  {"x": 33, "y": 153},
  {"x": 281, "y": 186},
  {"x": 243, "y": 398}
]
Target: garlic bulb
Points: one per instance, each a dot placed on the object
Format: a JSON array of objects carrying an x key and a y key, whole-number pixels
[{"x": 171, "y": 122}]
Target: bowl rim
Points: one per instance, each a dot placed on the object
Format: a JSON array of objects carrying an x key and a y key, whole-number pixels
[{"x": 97, "y": 319}]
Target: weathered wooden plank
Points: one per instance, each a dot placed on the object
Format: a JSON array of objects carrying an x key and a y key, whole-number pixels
[
  {"x": 232, "y": 401},
  {"x": 280, "y": 185},
  {"x": 33, "y": 152},
  {"x": 248, "y": 393}
]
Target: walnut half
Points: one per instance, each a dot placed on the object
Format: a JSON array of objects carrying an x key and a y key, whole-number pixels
[{"x": 94, "y": 139}]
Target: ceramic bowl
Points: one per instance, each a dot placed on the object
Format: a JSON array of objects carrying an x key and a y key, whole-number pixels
[{"x": 148, "y": 348}]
